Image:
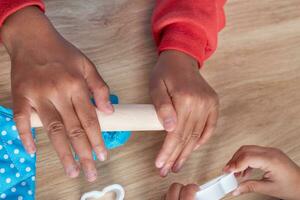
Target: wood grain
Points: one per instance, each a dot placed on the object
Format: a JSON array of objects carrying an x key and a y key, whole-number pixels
[{"x": 256, "y": 72}]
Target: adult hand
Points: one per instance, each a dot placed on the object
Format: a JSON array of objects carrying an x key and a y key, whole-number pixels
[
  {"x": 52, "y": 77},
  {"x": 186, "y": 105},
  {"x": 281, "y": 178}
]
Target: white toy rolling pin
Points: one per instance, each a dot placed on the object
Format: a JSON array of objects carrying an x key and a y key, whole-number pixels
[{"x": 127, "y": 117}]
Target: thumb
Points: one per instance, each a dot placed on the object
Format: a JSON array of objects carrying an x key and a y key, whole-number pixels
[
  {"x": 164, "y": 106},
  {"x": 259, "y": 186},
  {"x": 99, "y": 88}
]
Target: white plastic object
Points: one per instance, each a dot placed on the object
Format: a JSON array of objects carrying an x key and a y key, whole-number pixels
[
  {"x": 127, "y": 117},
  {"x": 217, "y": 188},
  {"x": 116, "y": 188}
]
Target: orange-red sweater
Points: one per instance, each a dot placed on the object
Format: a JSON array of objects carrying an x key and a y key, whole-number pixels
[{"x": 190, "y": 26}]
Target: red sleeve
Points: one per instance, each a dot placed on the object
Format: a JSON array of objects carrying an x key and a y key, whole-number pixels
[
  {"x": 190, "y": 26},
  {"x": 8, "y": 7}
]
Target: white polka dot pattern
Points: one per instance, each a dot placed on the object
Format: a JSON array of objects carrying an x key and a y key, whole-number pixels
[
  {"x": 3, "y": 196},
  {"x": 17, "y": 168},
  {"x": 14, "y": 128},
  {"x": 3, "y": 133}
]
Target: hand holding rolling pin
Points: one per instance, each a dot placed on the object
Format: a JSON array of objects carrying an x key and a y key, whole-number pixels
[
  {"x": 186, "y": 105},
  {"x": 53, "y": 78}
]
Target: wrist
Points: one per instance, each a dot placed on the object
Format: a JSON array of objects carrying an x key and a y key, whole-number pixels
[
  {"x": 180, "y": 58},
  {"x": 24, "y": 27}
]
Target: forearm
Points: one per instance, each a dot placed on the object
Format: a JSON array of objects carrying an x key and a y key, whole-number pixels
[
  {"x": 24, "y": 28},
  {"x": 188, "y": 26}
]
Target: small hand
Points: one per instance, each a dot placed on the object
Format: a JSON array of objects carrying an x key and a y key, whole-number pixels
[
  {"x": 186, "y": 105},
  {"x": 178, "y": 191},
  {"x": 52, "y": 77},
  {"x": 281, "y": 178}
]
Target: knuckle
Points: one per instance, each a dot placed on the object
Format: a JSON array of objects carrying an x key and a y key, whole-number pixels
[
  {"x": 76, "y": 133},
  {"x": 55, "y": 127},
  {"x": 180, "y": 139},
  {"x": 85, "y": 159},
  {"x": 89, "y": 122},
  {"x": 171, "y": 162},
  {"x": 195, "y": 135},
  {"x": 251, "y": 187},
  {"x": 97, "y": 145},
  {"x": 76, "y": 83},
  {"x": 189, "y": 98},
  {"x": 210, "y": 100},
  {"x": 186, "y": 95},
  {"x": 244, "y": 148},
  {"x": 65, "y": 157},
  {"x": 19, "y": 116},
  {"x": 244, "y": 158}
]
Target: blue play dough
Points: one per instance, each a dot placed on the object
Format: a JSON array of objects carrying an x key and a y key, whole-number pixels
[
  {"x": 17, "y": 168},
  {"x": 114, "y": 139}
]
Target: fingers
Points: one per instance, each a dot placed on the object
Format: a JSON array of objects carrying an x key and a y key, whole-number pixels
[
  {"x": 209, "y": 128},
  {"x": 174, "y": 192},
  {"x": 171, "y": 159},
  {"x": 172, "y": 146},
  {"x": 178, "y": 191},
  {"x": 53, "y": 124},
  {"x": 78, "y": 139},
  {"x": 99, "y": 89},
  {"x": 171, "y": 142},
  {"x": 22, "y": 112},
  {"x": 263, "y": 187},
  {"x": 188, "y": 192},
  {"x": 164, "y": 107},
  {"x": 194, "y": 136},
  {"x": 248, "y": 156},
  {"x": 89, "y": 121}
]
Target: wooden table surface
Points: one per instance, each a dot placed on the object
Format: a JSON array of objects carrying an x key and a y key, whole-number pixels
[{"x": 256, "y": 72}]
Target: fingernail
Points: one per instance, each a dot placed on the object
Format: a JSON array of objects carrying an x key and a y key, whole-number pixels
[
  {"x": 91, "y": 175},
  {"x": 236, "y": 192},
  {"x": 159, "y": 163},
  {"x": 164, "y": 172},
  {"x": 169, "y": 124},
  {"x": 177, "y": 166},
  {"x": 102, "y": 156},
  {"x": 72, "y": 171},
  {"x": 30, "y": 149},
  {"x": 226, "y": 168}
]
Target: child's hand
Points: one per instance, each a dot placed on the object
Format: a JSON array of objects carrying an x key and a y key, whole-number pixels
[
  {"x": 52, "y": 77},
  {"x": 186, "y": 105},
  {"x": 281, "y": 178},
  {"x": 178, "y": 191}
]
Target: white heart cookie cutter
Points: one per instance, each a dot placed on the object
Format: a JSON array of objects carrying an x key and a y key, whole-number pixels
[
  {"x": 217, "y": 188},
  {"x": 116, "y": 188}
]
